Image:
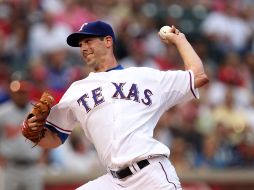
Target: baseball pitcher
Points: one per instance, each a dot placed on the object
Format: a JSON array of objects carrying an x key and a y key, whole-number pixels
[{"x": 118, "y": 110}]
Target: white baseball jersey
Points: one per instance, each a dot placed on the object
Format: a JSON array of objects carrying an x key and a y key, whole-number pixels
[{"x": 119, "y": 109}]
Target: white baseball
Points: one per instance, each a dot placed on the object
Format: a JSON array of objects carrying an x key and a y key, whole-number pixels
[{"x": 165, "y": 30}]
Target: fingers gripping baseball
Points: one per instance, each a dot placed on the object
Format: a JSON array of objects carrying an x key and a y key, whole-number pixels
[
  {"x": 33, "y": 126},
  {"x": 169, "y": 35}
]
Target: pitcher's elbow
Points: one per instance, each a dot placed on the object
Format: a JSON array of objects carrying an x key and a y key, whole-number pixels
[
  {"x": 205, "y": 79},
  {"x": 201, "y": 80}
]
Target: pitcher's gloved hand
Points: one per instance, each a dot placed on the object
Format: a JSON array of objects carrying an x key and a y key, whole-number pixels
[{"x": 34, "y": 128}]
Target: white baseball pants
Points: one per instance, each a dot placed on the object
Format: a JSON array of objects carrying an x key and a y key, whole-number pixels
[{"x": 158, "y": 175}]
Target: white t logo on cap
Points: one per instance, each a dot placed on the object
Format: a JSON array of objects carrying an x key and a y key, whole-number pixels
[{"x": 83, "y": 26}]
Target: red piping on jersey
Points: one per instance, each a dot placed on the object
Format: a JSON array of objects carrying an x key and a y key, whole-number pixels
[{"x": 68, "y": 131}]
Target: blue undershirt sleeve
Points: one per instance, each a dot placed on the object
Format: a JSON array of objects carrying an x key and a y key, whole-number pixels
[{"x": 62, "y": 136}]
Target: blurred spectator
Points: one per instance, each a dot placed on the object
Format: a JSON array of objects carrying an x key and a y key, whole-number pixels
[
  {"x": 47, "y": 34},
  {"x": 1, "y": 178},
  {"x": 249, "y": 111},
  {"x": 232, "y": 71},
  {"x": 120, "y": 14},
  {"x": 122, "y": 39},
  {"x": 137, "y": 55},
  {"x": 205, "y": 120},
  {"x": 187, "y": 127},
  {"x": 38, "y": 77},
  {"x": 201, "y": 46},
  {"x": 188, "y": 15},
  {"x": 226, "y": 30},
  {"x": 52, "y": 6},
  {"x": 231, "y": 118},
  {"x": 60, "y": 73},
  {"x": 74, "y": 14},
  {"x": 168, "y": 59},
  {"x": 245, "y": 151},
  {"x": 249, "y": 61},
  {"x": 102, "y": 9},
  {"x": 5, "y": 72},
  {"x": 5, "y": 25},
  {"x": 181, "y": 154},
  {"x": 77, "y": 154},
  {"x": 19, "y": 161},
  {"x": 213, "y": 154},
  {"x": 17, "y": 49},
  {"x": 38, "y": 73}
]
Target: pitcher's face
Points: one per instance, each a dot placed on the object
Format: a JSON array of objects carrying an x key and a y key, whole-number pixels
[{"x": 93, "y": 49}]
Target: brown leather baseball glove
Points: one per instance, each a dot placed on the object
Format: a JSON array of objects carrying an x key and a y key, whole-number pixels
[{"x": 41, "y": 110}]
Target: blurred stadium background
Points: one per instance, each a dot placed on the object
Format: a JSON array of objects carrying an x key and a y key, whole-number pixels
[{"x": 211, "y": 140}]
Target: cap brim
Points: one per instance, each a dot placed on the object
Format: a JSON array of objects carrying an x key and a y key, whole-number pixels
[{"x": 74, "y": 38}]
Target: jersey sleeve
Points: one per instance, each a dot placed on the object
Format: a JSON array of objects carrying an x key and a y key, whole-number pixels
[
  {"x": 61, "y": 119},
  {"x": 177, "y": 87}
]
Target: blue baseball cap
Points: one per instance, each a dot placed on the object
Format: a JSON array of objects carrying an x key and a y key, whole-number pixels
[{"x": 90, "y": 29}]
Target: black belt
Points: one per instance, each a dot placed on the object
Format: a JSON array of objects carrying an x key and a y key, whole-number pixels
[
  {"x": 23, "y": 162},
  {"x": 127, "y": 172}
]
